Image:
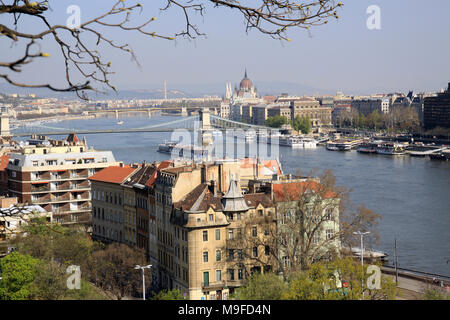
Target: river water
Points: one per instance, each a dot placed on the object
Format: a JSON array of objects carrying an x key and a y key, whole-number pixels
[{"x": 411, "y": 194}]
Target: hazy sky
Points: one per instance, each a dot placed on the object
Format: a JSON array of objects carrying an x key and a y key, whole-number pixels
[{"x": 411, "y": 51}]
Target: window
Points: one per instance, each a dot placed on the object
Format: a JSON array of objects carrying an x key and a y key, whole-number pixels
[
  {"x": 205, "y": 256},
  {"x": 231, "y": 254},
  {"x": 329, "y": 234},
  {"x": 230, "y": 234},
  {"x": 206, "y": 278},
  {"x": 316, "y": 238},
  {"x": 255, "y": 252},
  {"x": 260, "y": 213},
  {"x": 286, "y": 261},
  {"x": 329, "y": 214},
  {"x": 205, "y": 235},
  {"x": 267, "y": 250},
  {"x": 217, "y": 234},
  {"x": 218, "y": 275},
  {"x": 231, "y": 274},
  {"x": 211, "y": 218},
  {"x": 218, "y": 255},
  {"x": 240, "y": 274},
  {"x": 240, "y": 256},
  {"x": 254, "y": 231}
]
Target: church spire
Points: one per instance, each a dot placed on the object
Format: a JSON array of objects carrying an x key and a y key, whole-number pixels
[{"x": 245, "y": 76}]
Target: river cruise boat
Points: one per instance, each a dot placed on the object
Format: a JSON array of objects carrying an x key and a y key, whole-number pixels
[
  {"x": 391, "y": 148},
  {"x": 367, "y": 147},
  {"x": 442, "y": 156},
  {"x": 183, "y": 151},
  {"x": 293, "y": 141},
  {"x": 339, "y": 145}
]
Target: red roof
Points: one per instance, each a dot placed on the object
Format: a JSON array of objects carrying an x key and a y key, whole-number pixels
[
  {"x": 4, "y": 160},
  {"x": 163, "y": 165},
  {"x": 294, "y": 190},
  {"x": 113, "y": 174}
]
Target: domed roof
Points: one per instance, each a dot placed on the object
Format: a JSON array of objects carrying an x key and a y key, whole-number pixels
[{"x": 246, "y": 83}]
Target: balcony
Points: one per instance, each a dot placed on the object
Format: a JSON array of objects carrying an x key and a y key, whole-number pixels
[
  {"x": 234, "y": 283},
  {"x": 213, "y": 285},
  {"x": 44, "y": 188}
]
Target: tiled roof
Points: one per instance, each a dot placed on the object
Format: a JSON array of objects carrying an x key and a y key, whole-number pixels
[
  {"x": 141, "y": 176},
  {"x": 292, "y": 191},
  {"x": 113, "y": 174},
  {"x": 4, "y": 160},
  {"x": 202, "y": 197},
  {"x": 254, "y": 199}
]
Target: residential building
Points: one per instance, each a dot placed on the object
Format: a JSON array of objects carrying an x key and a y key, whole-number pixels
[
  {"x": 368, "y": 105},
  {"x": 436, "y": 110},
  {"x": 212, "y": 223},
  {"x": 108, "y": 205},
  {"x": 54, "y": 174},
  {"x": 13, "y": 216}
]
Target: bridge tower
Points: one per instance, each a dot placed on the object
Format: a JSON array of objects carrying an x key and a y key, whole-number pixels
[
  {"x": 205, "y": 136},
  {"x": 4, "y": 125}
]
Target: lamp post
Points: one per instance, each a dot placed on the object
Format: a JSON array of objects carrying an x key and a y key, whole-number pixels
[
  {"x": 143, "y": 277},
  {"x": 361, "y": 234}
]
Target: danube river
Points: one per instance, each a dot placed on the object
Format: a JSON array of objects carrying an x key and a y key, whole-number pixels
[{"x": 411, "y": 194}]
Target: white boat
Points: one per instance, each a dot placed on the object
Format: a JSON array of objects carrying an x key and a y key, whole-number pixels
[
  {"x": 120, "y": 122},
  {"x": 390, "y": 149},
  {"x": 339, "y": 145},
  {"x": 293, "y": 141}
]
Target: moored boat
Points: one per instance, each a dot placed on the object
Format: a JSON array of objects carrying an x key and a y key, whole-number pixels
[{"x": 390, "y": 148}]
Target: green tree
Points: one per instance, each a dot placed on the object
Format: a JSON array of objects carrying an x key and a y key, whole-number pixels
[
  {"x": 435, "y": 294},
  {"x": 112, "y": 269},
  {"x": 50, "y": 281},
  {"x": 267, "y": 286},
  {"x": 18, "y": 273},
  {"x": 276, "y": 121},
  {"x": 170, "y": 295},
  {"x": 340, "y": 279}
]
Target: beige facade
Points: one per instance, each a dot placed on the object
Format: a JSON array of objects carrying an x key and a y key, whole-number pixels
[
  {"x": 108, "y": 212},
  {"x": 319, "y": 115}
]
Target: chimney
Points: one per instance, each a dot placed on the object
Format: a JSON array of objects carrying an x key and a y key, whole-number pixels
[
  {"x": 121, "y": 165},
  {"x": 214, "y": 187}
]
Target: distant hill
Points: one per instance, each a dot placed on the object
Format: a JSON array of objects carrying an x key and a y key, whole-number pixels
[{"x": 175, "y": 91}]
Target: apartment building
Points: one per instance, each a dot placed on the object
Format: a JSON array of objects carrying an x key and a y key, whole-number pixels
[
  {"x": 310, "y": 107},
  {"x": 54, "y": 174},
  {"x": 110, "y": 219},
  {"x": 368, "y": 105},
  {"x": 13, "y": 216},
  {"x": 214, "y": 260},
  {"x": 197, "y": 220},
  {"x": 436, "y": 110}
]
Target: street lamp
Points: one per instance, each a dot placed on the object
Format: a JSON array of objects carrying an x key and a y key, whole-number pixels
[
  {"x": 362, "y": 234},
  {"x": 143, "y": 277}
]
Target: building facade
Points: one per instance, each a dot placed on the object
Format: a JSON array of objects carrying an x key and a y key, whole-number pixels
[
  {"x": 436, "y": 110},
  {"x": 54, "y": 174}
]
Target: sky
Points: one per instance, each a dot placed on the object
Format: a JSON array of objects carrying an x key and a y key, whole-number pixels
[{"x": 410, "y": 52}]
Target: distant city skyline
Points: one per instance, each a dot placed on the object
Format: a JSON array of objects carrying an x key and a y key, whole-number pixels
[{"x": 410, "y": 52}]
